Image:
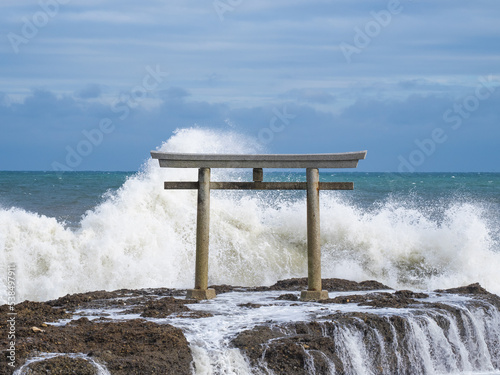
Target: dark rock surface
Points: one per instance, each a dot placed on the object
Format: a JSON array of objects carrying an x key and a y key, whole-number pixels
[
  {"x": 299, "y": 284},
  {"x": 117, "y": 298},
  {"x": 125, "y": 347},
  {"x": 62, "y": 366},
  {"x": 250, "y": 305},
  {"x": 398, "y": 299},
  {"x": 130, "y": 347},
  {"x": 469, "y": 289},
  {"x": 285, "y": 354},
  {"x": 475, "y": 291},
  {"x": 224, "y": 288},
  {"x": 288, "y": 297},
  {"x": 332, "y": 285},
  {"x": 313, "y": 347}
]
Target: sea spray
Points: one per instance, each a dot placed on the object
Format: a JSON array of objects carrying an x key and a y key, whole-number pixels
[{"x": 143, "y": 236}]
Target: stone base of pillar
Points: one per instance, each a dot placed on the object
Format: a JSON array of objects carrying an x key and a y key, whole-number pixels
[
  {"x": 313, "y": 295},
  {"x": 200, "y": 294}
]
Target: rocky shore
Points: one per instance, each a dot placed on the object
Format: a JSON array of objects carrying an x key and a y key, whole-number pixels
[
  {"x": 309, "y": 347},
  {"x": 59, "y": 340}
]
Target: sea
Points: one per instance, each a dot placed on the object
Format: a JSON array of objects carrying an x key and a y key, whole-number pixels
[{"x": 70, "y": 232}]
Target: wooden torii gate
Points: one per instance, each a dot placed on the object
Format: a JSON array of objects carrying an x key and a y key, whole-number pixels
[{"x": 310, "y": 162}]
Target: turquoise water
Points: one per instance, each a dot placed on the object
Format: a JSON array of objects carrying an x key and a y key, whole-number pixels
[
  {"x": 67, "y": 196},
  {"x": 64, "y": 196}
]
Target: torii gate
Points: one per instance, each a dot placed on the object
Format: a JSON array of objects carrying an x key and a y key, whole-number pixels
[{"x": 310, "y": 162}]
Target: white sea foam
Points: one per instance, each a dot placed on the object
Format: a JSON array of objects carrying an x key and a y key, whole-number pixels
[{"x": 144, "y": 236}]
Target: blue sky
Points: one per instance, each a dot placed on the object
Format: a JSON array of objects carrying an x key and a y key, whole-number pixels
[{"x": 95, "y": 85}]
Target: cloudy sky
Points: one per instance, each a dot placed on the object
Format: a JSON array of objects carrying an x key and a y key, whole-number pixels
[{"x": 96, "y": 85}]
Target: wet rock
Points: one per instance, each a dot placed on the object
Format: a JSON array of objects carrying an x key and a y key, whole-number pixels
[
  {"x": 387, "y": 339},
  {"x": 194, "y": 315},
  {"x": 332, "y": 285},
  {"x": 398, "y": 299},
  {"x": 148, "y": 303},
  {"x": 62, "y": 365},
  {"x": 78, "y": 299},
  {"x": 31, "y": 314},
  {"x": 392, "y": 300},
  {"x": 292, "y": 355},
  {"x": 125, "y": 347},
  {"x": 469, "y": 289},
  {"x": 274, "y": 349},
  {"x": 287, "y": 297},
  {"x": 410, "y": 294},
  {"x": 371, "y": 285},
  {"x": 250, "y": 305},
  {"x": 476, "y": 291},
  {"x": 223, "y": 288},
  {"x": 252, "y": 341},
  {"x": 353, "y": 298},
  {"x": 386, "y": 342},
  {"x": 114, "y": 299},
  {"x": 163, "y": 307}
]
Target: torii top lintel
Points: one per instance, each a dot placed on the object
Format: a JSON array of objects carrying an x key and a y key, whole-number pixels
[{"x": 183, "y": 160}]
